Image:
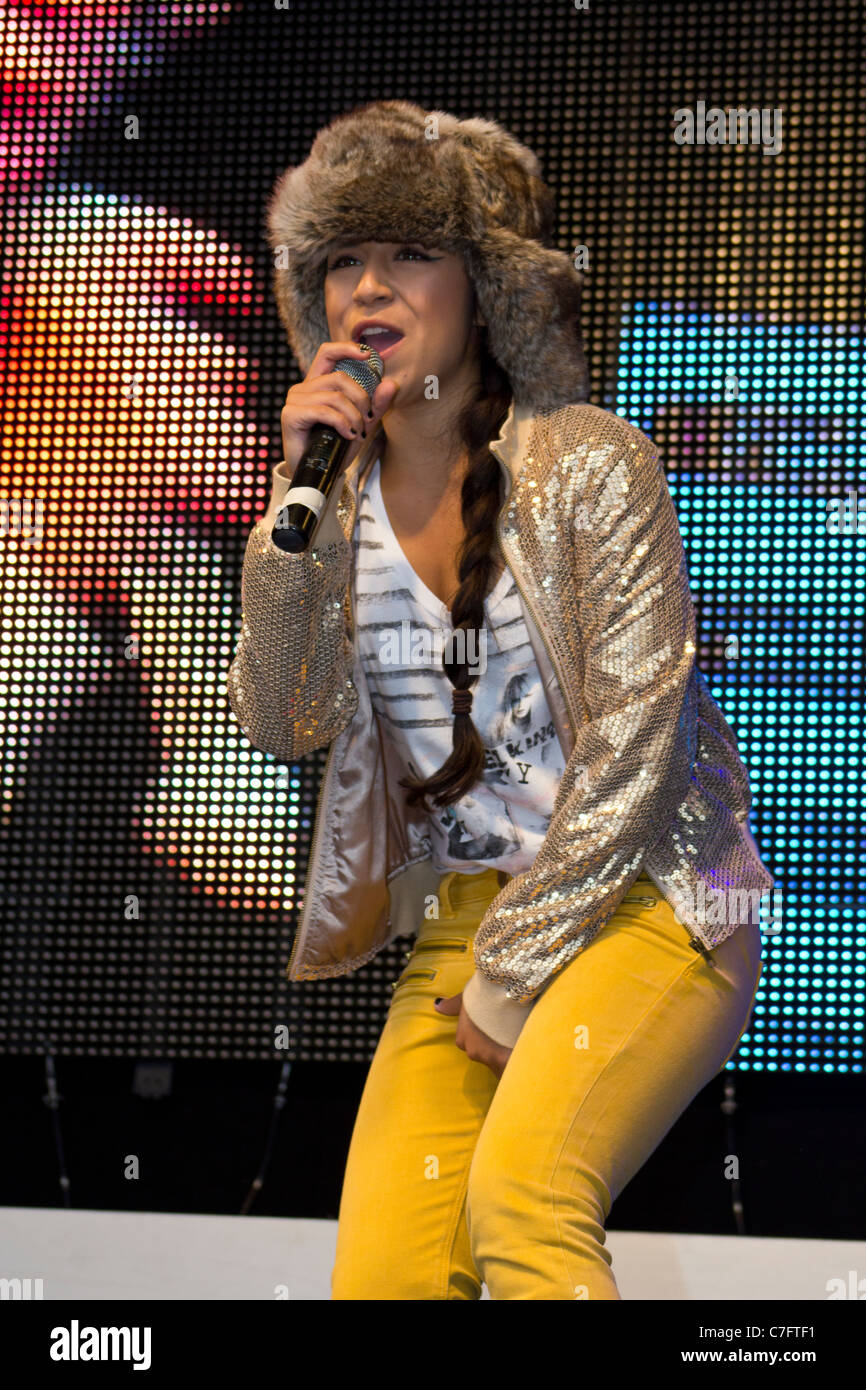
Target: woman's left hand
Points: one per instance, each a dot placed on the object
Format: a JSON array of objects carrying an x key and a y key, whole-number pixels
[{"x": 477, "y": 1045}]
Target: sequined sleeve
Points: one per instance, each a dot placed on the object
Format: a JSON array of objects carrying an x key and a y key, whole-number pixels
[
  {"x": 290, "y": 684},
  {"x": 630, "y": 765}
]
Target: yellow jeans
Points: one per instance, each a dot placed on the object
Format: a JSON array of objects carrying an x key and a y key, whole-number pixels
[{"x": 455, "y": 1177}]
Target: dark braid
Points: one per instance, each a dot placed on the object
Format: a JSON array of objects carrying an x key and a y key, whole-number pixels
[{"x": 478, "y": 561}]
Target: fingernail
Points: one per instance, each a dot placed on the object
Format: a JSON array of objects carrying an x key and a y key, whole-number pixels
[
  {"x": 369, "y": 414},
  {"x": 364, "y": 434},
  {"x": 439, "y": 1000}
]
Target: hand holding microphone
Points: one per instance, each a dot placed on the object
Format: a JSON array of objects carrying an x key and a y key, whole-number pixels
[{"x": 322, "y": 421}]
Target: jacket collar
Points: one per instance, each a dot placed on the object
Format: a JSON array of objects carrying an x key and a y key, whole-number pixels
[{"x": 509, "y": 448}]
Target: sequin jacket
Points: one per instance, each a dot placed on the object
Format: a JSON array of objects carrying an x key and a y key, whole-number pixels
[{"x": 653, "y": 779}]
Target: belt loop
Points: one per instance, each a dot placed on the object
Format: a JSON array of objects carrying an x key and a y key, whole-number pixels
[{"x": 444, "y": 895}]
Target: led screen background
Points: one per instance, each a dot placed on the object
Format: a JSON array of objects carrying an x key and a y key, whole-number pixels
[{"x": 151, "y": 861}]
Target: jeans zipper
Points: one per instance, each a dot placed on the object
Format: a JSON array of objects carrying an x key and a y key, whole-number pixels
[
  {"x": 458, "y": 945},
  {"x": 414, "y": 975}
]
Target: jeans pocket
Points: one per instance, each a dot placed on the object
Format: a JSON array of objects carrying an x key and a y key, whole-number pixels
[
  {"x": 428, "y": 957},
  {"x": 458, "y": 944},
  {"x": 424, "y": 975}
]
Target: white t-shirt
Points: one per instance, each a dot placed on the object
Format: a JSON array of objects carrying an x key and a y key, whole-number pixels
[{"x": 402, "y": 631}]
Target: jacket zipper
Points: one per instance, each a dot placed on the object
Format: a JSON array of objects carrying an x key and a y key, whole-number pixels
[
  {"x": 695, "y": 944},
  {"x": 323, "y": 795},
  {"x": 313, "y": 853}
]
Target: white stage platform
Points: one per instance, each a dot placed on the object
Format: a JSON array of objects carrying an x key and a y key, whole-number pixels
[{"x": 155, "y": 1255}]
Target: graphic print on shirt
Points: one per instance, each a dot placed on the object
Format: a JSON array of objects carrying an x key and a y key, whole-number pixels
[
  {"x": 472, "y": 832},
  {"x": 520, "y": 740},
  {"x": 502, "y": 821}
]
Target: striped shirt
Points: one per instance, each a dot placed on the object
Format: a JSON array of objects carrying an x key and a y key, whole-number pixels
[{"x": 402, "y": 632}]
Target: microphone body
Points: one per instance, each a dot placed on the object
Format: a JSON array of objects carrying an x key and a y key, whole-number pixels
[{"x": 313, "y": 479}]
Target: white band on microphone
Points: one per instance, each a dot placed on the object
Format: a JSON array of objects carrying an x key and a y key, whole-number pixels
[{"x": 306, "y": 497}]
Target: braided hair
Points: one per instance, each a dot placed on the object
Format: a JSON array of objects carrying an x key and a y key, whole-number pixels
[{"x": 478, "y": 561}]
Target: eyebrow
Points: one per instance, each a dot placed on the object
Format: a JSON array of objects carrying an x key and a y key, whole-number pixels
[{"x": 349, "y": 245}]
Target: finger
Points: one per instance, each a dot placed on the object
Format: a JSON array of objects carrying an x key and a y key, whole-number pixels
[
  {"x": 339, "y": 401},
  {"x": 342, "y": 417},
  {"x": 449, "y": 1006},
  {"x": 325, "y": 362},
  {"x": 330, "y": 353},
  {"x": 341, "y": 387},
  {"x": 383, "y": 395}
]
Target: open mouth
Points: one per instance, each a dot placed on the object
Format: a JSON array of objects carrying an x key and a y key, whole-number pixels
[
  {"x": 381, "y": 341},
  {"x": 376, "y": 334},
  {"x": 384, "y": 352}
]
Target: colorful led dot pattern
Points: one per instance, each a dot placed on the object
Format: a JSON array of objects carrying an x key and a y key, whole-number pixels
[{"x": 151, "y": 861}]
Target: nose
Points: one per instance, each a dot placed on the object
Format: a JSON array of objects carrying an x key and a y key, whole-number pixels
[
  {"x": 371, "y": 285},
  {"x": 371, "y": 293}
]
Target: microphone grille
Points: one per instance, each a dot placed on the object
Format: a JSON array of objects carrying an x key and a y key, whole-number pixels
[{"x": 367, "y": 372}]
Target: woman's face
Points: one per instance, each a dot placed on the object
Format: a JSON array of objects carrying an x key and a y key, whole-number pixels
[{"x": 423, "y": 292}]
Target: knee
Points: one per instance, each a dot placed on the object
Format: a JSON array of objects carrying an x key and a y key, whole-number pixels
[
  {"x": 535, "y": 1239},
  {"x": 498, "y": 1218},
  {"x": 498, "y": 1201}
]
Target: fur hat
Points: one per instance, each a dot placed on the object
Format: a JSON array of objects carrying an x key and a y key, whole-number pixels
[{"x": 391, "y": 171}]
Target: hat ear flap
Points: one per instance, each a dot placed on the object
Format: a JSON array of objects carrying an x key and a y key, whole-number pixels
[
  {"x": 529, "y": 296},
  {"x": 300, "y": 298}
]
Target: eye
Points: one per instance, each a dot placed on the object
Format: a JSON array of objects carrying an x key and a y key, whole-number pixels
[{"x": 411, "y": 250}]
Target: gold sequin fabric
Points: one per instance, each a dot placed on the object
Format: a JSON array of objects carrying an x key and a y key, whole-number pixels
[
  {"x": 654, "y": 763},
  {"x": 653, "y": 779},
  {"x": 290, "y": 684}
]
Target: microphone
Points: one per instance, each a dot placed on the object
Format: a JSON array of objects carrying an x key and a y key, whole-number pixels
[{"x": 313, "y": 479}]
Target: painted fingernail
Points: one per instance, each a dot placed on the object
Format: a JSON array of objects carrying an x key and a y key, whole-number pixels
[
  {"x": 364, "y": 434},
  {"x": 369, "y": 414}
]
